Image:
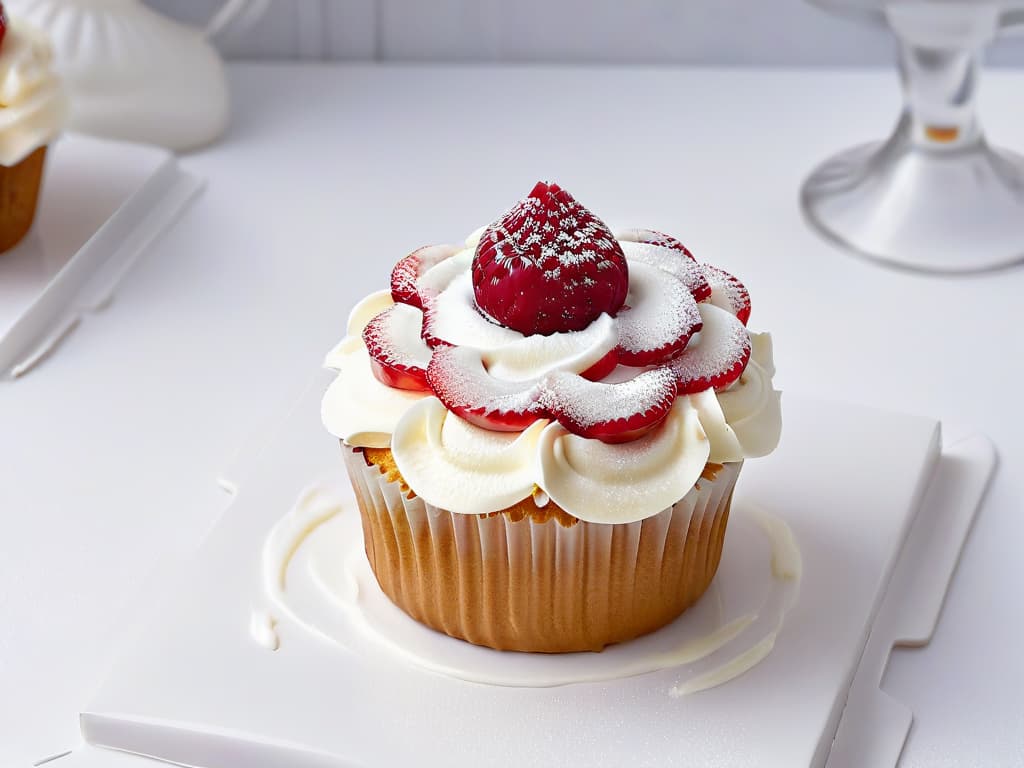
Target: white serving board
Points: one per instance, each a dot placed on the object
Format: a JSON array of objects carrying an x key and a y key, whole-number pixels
[
  {"x": 192, "y": 687},
  {"x": 101, "y": 204}
]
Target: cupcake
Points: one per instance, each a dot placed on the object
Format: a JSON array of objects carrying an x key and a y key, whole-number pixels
[
  {"x": 543, "y": 427},
  {"x": 32, "y": 111}
]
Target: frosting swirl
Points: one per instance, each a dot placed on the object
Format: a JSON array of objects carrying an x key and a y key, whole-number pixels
[
  {"x": 467, "y": 469},
  {"x": 33, "y": 106},
  {"x": 614, "y": 416}
]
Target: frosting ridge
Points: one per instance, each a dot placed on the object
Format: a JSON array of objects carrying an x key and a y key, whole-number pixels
[{"x": 466, "y": 468}]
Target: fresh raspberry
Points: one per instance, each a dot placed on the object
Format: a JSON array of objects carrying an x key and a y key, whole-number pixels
[{"x": 549, "y": 265}]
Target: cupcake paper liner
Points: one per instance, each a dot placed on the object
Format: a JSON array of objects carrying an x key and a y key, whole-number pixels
[{"x": 540, "y": 586}]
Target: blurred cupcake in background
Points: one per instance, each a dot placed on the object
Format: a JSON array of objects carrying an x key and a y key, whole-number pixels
[{"x": 33, "y": 108}]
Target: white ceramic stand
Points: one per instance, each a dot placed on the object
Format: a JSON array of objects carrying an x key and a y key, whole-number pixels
[
  {"x": 102, "y": 203},
  {"x": 193, "y": 687},
  {"x": 136, "y": 75}
]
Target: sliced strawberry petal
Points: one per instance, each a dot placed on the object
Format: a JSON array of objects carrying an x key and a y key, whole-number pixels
[
  {"x": 453, "y": 319},
  {"x": 728, "y": 293},
  {"x": 398, "y": 355},
  {"x": 459, "y": 379},
  {"x": 441, "y": 275},
  {"x": 717, "y": 357},
  {"x": 662, "y": 316},
  {"x": 602, "y": 367},
  {"x": 687, "y": 270},
  {"x": 612, "y": 413},
  {"x": 409, "y": 270},
  {"x": 653, "y": 237}
]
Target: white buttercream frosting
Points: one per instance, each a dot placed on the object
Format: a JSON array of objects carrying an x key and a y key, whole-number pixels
[
  {"x": 604, "y": 483},
  {"x": 532, "y": 356},
  {"x": 470, "y": 470},
  {"x": 358, "y": 408},
  {"x": 752, "y": 406},
  {"x": 33, "y": 105},
  {"x": 486, "y": 470}
]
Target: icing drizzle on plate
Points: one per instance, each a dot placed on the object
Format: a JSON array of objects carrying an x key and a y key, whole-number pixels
[{"x": 314, "y": 573}]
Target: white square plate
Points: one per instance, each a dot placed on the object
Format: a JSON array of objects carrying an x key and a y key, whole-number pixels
[
  {"x": 193, "y": 687},
  {"x": 101, "y": 203}
]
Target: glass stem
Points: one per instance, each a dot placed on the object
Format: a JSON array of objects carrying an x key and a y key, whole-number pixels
[
  {"x": 940, "y": 53},
  {"x": 939, "y": 88}
]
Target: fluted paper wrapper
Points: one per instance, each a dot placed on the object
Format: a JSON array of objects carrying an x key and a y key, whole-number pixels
[
  {"x": 540, "y": 586},
  {"x": 19, "y": 195}
]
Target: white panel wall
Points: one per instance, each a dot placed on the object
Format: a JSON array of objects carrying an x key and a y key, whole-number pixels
[{"x": 712, "y": 32}]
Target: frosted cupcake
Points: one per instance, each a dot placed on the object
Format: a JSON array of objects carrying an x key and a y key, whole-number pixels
[
  {"x": 544, "y": 427},
  {"x": 33, "y": 108}
]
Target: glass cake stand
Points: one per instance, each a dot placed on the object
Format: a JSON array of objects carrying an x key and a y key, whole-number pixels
[{"x": 933, "y": 197}]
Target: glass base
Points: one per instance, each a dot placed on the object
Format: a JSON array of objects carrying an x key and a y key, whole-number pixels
[{"x": 952, "y": 211}]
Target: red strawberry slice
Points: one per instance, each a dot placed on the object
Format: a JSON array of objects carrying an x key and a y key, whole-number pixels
[
  {"x": 412, "y": 267},
  {"x": 398, "y": 355},
  {"x": 728, "y": 293},
  {"x": 459, "y": 379},
  {"x": 549, "y": 265},
  {"x": 3, "y": 23},
  {"x": 717, "y": 357},
  {"x": 612, "y": 413},
  {"x": 660, "y": 318},
  {"x": 429, "y": 323},
  {"x": 652, "y": 237},
  {"x": 687, "y": 270},
  {"x": 602, "y": 367}
]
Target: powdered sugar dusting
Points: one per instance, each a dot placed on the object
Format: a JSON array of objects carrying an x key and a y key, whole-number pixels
[
  {"x": 408, "y": 271},
  {"x": 672, "y": 261},
  {"x": 717, "y": 356},
  {"x": 609, "y": 412},
  {"x": 394, "y": 337},
  {"x": 661, "y": 317},
  {"x": 728, "y": 293},
  {"x": 587, "y": 403},
  {"x": 653, "y": 237},
  {"x": 453, "y": 318},
  {"x": 506, "y": 329},
  {"x": 547, "y": 234},
  {"x": 440, "y": 276},
  {"x": 460, "y": 381}
]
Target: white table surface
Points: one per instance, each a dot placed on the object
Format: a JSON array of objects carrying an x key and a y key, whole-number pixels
[{"x": 110, "y": 449}]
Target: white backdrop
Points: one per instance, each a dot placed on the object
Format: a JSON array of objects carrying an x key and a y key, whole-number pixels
[{"x": 712, "y": 32}]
